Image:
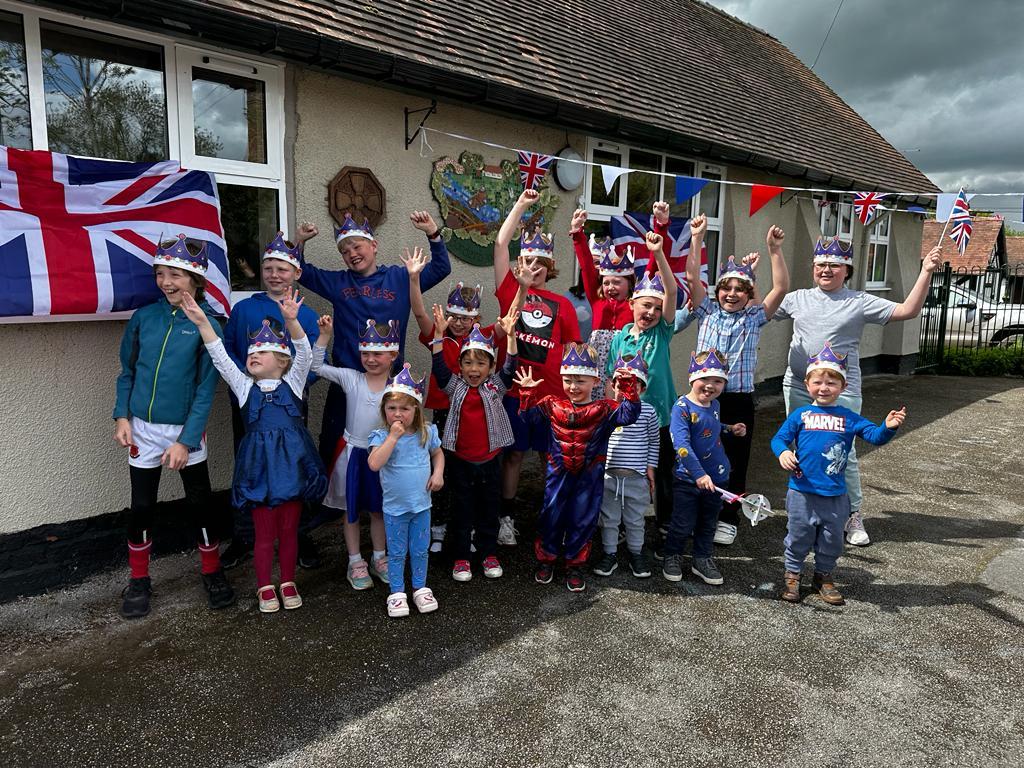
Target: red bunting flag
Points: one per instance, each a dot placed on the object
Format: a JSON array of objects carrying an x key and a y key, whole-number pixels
[{"x": 760, "y": 194}]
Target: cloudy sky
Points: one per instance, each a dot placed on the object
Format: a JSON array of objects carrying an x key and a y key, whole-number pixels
[{"x": 942, "y": 80}]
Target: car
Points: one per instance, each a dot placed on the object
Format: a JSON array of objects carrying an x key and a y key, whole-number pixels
[{"x": 972, "y": 320}]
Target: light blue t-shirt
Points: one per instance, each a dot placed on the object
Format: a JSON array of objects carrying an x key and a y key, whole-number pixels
[{"x": 404, "y": 478}]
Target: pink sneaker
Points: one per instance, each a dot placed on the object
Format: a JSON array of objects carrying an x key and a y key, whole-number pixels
[
  {"x": 359, "y": 575},
  {"x": 492, "y": 568},
  {"x": 462, "y": 571}
]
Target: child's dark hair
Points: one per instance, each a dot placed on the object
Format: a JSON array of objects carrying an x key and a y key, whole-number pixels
[
  {"x": 198, "y": 281},
  {"x": 478, "y": 355},
  {"x": 723, "y": 285}
]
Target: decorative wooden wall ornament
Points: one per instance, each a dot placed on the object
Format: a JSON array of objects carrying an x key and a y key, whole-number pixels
[{"x": 357, "y": 191}]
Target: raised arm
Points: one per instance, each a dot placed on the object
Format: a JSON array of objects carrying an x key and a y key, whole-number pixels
[
  {"x": 440, "y": 265},
  {"x": 668, "y": 304},
  {"x": 414, "y": 264},
  {"x": 911, "y": 306},
  {"x": 299, "y": 371},
  {"x": 698, "y": 226},
  {"x": 439, "y": 367},
  {"x": 509, "y": 229},
  {"x": 311, "y": 277},
  {"x": 780, "y": 273},
  {"x": 591, "y": 279}
]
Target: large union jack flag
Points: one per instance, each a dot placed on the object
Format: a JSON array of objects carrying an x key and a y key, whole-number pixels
[
  {"x": 960, "y": 222},
  {"x": 631, "y": 228},
  {"x": 78, "y": 236},
  {"x": 532, "y": 168},
  {"x": 864, "y": 205}
]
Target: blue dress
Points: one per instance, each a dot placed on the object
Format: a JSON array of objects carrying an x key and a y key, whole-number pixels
[{"x": 276, "y": 460}]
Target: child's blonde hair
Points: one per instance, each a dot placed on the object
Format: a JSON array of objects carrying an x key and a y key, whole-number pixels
[{"x": 419, "y": 424}]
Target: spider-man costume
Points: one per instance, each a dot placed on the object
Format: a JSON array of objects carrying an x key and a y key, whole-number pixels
[{"x": 574, "y": 485}]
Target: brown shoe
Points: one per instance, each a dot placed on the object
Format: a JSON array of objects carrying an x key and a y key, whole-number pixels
[
  {"x": 791, "y": 590},
  {"x": 827, "y": 590}
]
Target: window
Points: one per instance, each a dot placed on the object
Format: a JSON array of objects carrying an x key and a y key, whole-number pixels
[
  {"x": 836, "y": 217},
  {"x": 100, "y": 90},
  {"x": 878, "y": 250}
]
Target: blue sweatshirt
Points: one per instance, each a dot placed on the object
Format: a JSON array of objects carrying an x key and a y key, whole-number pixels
[
  {"x": 166, "y": 375},
  {"x": 247, "y": 317},
  {"x": 384, "y": 296},
  {"x": 697, "y": 439},
  {"x": 824, "y": 436}
]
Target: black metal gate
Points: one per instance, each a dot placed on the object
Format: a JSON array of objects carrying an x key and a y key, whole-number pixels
[{"x": 973, "y": 320}]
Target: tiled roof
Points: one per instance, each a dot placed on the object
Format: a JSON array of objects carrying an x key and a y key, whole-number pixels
[
  {"x": 1015, "y": 251},
  {"x": 673, "y": 74},
  {"x": 984, "y": 239}
]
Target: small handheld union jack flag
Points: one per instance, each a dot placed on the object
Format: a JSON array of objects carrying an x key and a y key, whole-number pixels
[
  {"x": 533, "y": 167},
  {"x": 864, "y": 205},
  {"x": 960, "y": 222}
]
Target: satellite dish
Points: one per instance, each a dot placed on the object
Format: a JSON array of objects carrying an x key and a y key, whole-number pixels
[{"x": 569, "y": 171}]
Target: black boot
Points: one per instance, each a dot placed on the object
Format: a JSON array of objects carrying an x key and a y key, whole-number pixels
[
  {"x": 136, "y": 598},
  {"x": 218, "y": 590}
]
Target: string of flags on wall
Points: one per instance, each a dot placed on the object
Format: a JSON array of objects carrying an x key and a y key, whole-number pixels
[{"x": 951, "y": 207}]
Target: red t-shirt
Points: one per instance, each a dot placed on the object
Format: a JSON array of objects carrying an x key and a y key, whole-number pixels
[
  {"x": 471, "y": 444},
  {"x": 547, "y": 321},
  {"x": 437, "y": 398},
  {"x": 609, "y": 315}
]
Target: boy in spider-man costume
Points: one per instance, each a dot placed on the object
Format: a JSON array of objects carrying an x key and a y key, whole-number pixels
[{"x": 580, "y": 428}]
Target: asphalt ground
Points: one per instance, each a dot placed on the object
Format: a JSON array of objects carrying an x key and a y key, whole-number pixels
[{"x": 923, "y": 666}]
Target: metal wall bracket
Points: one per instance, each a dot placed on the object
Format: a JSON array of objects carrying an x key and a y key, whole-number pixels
[{"x": 429, "y": 111}]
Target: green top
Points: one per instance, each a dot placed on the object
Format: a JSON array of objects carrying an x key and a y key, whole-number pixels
[{"x": 652, "y": 345}]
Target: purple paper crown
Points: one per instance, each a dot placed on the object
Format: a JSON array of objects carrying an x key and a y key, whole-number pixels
[
  {"x": 827, "y": 360},
  {"x": 649, "y": 285},
  {"x": 714, "y": 365},
  {"x": 612, "y": 263},
  {"x": 177, "y": 255},
  {"x": 406, "y": 384},
  {"x": 599, "y": 248},
  {"x": 579, "y": 360},
  {"x": 635, "y": 364},
  {"x": 464, "y": 301},
  {"x": 281, "y": 249},
  {"x": 478, "y": 340},
  {"x": 833, "y": 251},
  {"x": 372, "y": 341},
  {"x": 266, "y": 339},
  {"x": 539, "y": 246},
  {"x": 740, "y": 271},
  {"x": 349, "y": 228}
]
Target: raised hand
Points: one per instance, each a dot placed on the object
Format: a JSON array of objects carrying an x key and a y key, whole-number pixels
[
  {"x": 654, "y": 241},
  {"x": 508, "y": 322},
  {"x": 579, "y": 218},
  {"x": 306, "y": 231},
  {"x": 192, "y": 309},
  {"x": 415, "y": 260},
  {"x": 525, "y": 271},
  {"x": 423, "y": 221},
  {"x": 752, "y": 260},
  {"x": 774, "y": 237},
  {"x": 932, "y": 261},
  {"x": 895, "y": 419},
  {"x": 528, "y": 198},
  {"x": 326, "y": 325},
  {"x": 440, "y": 321},
  {"x": 660, "y": 210},
  {"x": 290, "y": 305},
  {"x": 698, "y": 225},
  {"x": 524, "y": 379}
]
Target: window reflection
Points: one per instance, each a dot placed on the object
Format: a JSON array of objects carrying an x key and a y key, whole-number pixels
[
  {"x": 229, "y": 113},
  {"x": 249, "y": 217},
  {"x": 15, "y": 121}
]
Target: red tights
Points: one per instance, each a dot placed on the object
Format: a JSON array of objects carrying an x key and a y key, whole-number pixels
[{"x": 280, "y": 523}]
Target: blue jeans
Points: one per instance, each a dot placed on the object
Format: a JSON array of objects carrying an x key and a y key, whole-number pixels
[
  {"x": 408, "y": 534},
  {"x": 797, "y": 397},
  {"x": 815, "y": 522},
  {"x": 695, "y": 512}
]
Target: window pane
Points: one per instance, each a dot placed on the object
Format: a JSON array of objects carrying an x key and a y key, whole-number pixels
[
  {"x": 15, "y": 123},
  {"x": 105, "y": 95},
  {"x": 711, "y": 244},
  {"x": 846, "y": 220},
  {"x": 709, "y": 195},
  {"x": 597, "y": 194},
  {"x": 249, "y": 216},
  {"x": 878, "y": 258},
  {"x": 642, "y": 188},
  {"x": 829, "y": 220},
  {"x": 230, "y": 116},
  {"x": 677, "y": 167},
  {"x": 882, "y": 228}
]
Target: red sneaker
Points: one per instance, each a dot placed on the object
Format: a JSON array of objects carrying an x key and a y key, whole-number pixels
[
  {"x": 461, "y": 571},
  {"x": 492, "y": 567}
]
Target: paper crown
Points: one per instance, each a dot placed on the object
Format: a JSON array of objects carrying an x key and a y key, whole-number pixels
[
  {"x": 281, "y": 249},
  {"x": 406, "y": 384},
  {"x": 611, "y": 263},
  {"x": 827, "y": 360},
  {"x": 464, "y": 301},
  {"x": 579, "y": 360},
  {"x": 478, "y": 340},
  {"x": 266, "y": 339},
  {"x": 635, "y": 364},
  {"x": 372, "y": 340},
  {"x": 714, "y": 365},
  {"x": 833, "y": 251},
  {"x": 177, "y": 254},
  {"x": 539, "y": 246},
  {"x": 649, "y": 285},
  {"x": 349, "y": 228},
  {"x": 740, "y": 271}
]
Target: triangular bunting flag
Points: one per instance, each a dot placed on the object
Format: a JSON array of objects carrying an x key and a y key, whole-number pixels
[
  {"x": 610, "y": 174},
  {"x": 687, "y": 187},
  {"x": 760, "y": 194}
]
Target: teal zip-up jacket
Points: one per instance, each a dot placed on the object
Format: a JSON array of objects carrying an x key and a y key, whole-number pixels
[{"x": 167, "y": 377}]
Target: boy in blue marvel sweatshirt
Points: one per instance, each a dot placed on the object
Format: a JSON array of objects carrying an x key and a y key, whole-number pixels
[{"x": 817, "y": 503}]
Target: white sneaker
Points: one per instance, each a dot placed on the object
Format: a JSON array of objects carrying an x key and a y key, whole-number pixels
[
  {"x": 855, "y": 533},
  {"x": 437, "y": 533},
  {"x": 398, "y": 605},
  {"x": 725, "y": 533},
  {"x": 507, "y": 532}
]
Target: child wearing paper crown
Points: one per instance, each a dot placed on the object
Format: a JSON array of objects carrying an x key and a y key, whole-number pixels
[
  {"x": 546, "y": 322},
  {"x": 354, "y": 487},
  {"x": 574, "y": 485},
  {"x": 629, "y": 479},
  {"x": 281, "y": 267},
  {"x": 276, "y": 467},
  {"x": 701, "y": 464},
  {"x": 408, "y": 456},
  {"x": 164, "y": 394},
  {"x": 731, "y": 322},
  {"x": 817, "y": 503}
]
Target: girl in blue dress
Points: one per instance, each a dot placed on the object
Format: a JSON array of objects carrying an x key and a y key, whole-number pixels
[{"x": 277, "y": 467}]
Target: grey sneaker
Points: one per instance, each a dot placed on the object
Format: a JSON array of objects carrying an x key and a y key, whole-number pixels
[
  {"x": 640, "y": 565},
  {"x": 705, "y": 568},
  {"x": 672, "y": 567}
]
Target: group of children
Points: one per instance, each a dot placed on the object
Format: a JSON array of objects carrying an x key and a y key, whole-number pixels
[{"x": 605, "y": 413}]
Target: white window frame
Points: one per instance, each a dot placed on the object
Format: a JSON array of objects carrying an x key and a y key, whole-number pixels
[
  {"x": 179, "y": 58},
  {"x": 840, "y": 208},
  {"x": 878, "y": 235}
]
